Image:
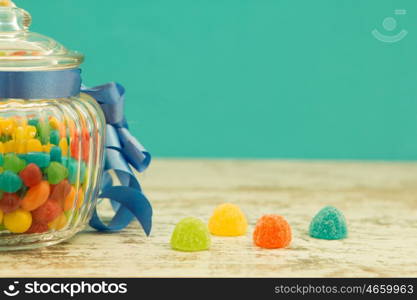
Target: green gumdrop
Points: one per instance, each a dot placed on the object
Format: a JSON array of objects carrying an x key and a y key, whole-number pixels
[
  {"x": 10, "y": 182},
  {"x": 38, "y": 158},
  {"x": 328, "y": 224},
  {"x": 44, "y": 130},
  {"x": 190, "y": 234},
  {"x": 54, "y": 137},
  {"x": 13, "y": 163},
  {"x": 56, "y": 172}
]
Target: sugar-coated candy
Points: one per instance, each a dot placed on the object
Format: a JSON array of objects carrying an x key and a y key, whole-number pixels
[
  {"x": 47, "y": 212},
  {"x": 18, "y": 221},
  {"x": 56, "y": 154},
  {"x": 56, "y": 172},
  {"x": 34, "y": 145},
  {"x": 328, "y": 224},
  {"x": 58, "y": 223},
  {"x": 190, "y": 234},
  {"x": 13, "y": 163},
  {"x": 30, "y": 132},
  {"x": 60, "y": 191},
  {"x": 33, "y": 122},
  {"x": 31, "y": 175},
  {"x": 63, "y": 144},
  {"x": 36, "y": 196},
  {"x": 10, "y": 182},
  {"x": 40, "y": 159},
  {"x": 228, "y": 220},
  {"x": 272, "y": 232},
  {"x": 37, "y": 228},
  {"x": 10, "y": 202},
  {"x": 55, "y": 137},
  {"x": 44, "y": 131}
]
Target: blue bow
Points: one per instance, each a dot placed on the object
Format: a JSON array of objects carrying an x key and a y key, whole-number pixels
[{"x": 122, "y": 150}]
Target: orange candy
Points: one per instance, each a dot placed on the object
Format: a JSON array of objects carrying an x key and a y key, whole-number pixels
[
  {"x": 36, "y": 196},
  {"x": 272, "y": 232},
  {"x": 69, "y": 200}
]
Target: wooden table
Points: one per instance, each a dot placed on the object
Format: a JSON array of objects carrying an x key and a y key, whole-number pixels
[{"x": 378, "y": 199}]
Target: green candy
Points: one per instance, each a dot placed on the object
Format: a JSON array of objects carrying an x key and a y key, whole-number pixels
[
  {"x": 38, "y": 158},
  {"x": 190, "y": 234},
  {"x": 54, "y": 137},
  {"x": 10, "y": 182},
  {"x": 72, "y": 165},
  {"x": 44, "y": 130},
  {"x": 328, "y": 224},
  {"x": 33, "y": 122},
  {"x": 13, "y": 163},
  {"x": 56, "y": 172}
]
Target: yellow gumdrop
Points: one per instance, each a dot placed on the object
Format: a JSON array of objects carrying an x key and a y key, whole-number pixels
[
  {"x": 20, "y": 146},
  {"x": 63, "y": 144},
  {"x": 34, "y": 145},
  {"x": 58, "y": 223},
  {"x": 30, "y": 132},
  {"x": 47, "y": 148},
  {"x": 1, "y": 216},
  {"x": 19, "y": 133},
  {"x": 54, "y": 123},
  {"x": 18, "y": 221},
  {"x": 10, "y": 146},
  {"x": 228, "y": 220},
  {"x": 1, "y": 148},
  {"x": 7, "y": 126}
]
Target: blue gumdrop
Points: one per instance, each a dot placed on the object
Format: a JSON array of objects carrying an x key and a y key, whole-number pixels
[
  {"x": 54, "y": 137},
  {"x": 10, "y": 182},
  {"x": 40, "y": 159},
  {"x": 56, "y": 154},
  {"x": 328, "y": 224}
]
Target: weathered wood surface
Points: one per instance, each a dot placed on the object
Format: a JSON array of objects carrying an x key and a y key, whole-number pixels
[{"x": 378, "y": 199}]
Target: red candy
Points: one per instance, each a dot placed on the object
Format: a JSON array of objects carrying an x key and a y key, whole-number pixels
[
  {"x": 46, "y": 213},
  {"x": 60, "y": 191},
  {"x": 10, "y": 202},
  {"x": 38, "y": 228},
  {"x": 31, "y": 175}
]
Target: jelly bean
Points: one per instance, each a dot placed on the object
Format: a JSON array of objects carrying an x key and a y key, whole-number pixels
[
  {"x": 34, "y": 122},
  {"x": 272, "y": 232},
  {"x": 59, "y": 222},
  {"x": 228, "y": 220},
  {"x": 56, "y": 172},
  {"x": 1, "y": 216},
  {"x": 36, "y": 196},
  {"x": 30, "y": 132},
  {"x": 328, "y": 224},
  {"x": 190, "y": 234},
  {"x": 63, "y": 144},
  {"x": 43, "y": 128},
  {"x": 60, "y": 191},
  {"x": 54, "y": 123},
  {"x": 10, "y": 202},
  {"x": 37, "y": 228},
  {"x": 69, "y": 200},
  {"x": 18, "y": 221},
  {"x": 54, "y": 137},
  {"x": 56, "y": 154},
  {"x": 41, "y": 159},
  {"x": 34, "y": 145},
  {"x": 10, "y": 182},
  {"x": 31, "y": 175},
  {"x": 13, "y": 163},
  {"x": 47, "y": 212}
]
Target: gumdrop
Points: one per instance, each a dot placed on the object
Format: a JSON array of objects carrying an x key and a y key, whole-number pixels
[
  {"x": 10, "y": 182},
  {"x": 272, "y": 232},
  {"x": 56, "y": 172},
  {"x": 190, "y": 234},
  {"x": 40, "y": 159},
  {"x": 31, "y": 175},
  {"x": 228, "y": 220},
  {"x": 47, "y": 212},
  {"x": 328, "y": 224},
  {"x": 36, "y": 196},
  {"x": 38, "y": 228},
  {"x": 13, "y": 163},
  {"x": 10, "y": 202},
  {"x": 56, "y": 154}
]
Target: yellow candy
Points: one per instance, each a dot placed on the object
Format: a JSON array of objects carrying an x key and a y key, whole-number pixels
[
  {"x": 54, "y": 123},
  {"x": 20, "y": 133},
  {"x": 10, "y": 146},
  {"x": 47, "y": 148},
  {"x": 34, "y": 145},
  {"x": 18, "y": 221},
  {"x": 7, "y": 126},
  {"x": 1, "y": 148},
  {"x": 20, "y": 146},
  {"x": 30, "y": 132},
  {"x": 1, "y": 216},
  {"x": 228, "y": 220},
  {"x": 58, "y": 223},
  {"x": 63, "y": 144}
]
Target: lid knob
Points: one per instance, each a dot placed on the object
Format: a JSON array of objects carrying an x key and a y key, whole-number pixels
[{"x": 13, "y": 18}]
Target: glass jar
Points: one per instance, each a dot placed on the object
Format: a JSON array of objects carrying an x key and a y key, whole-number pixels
[{"x": 51, "y": 148}]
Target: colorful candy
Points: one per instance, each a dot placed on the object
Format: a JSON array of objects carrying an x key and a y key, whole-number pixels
[
  {"x": 228, "y": 220},
  {"x": 10, "y": 202},
  {"x": 328, "y": 224},
  {"x": 10, "y": 182},
  {"x": 13, "y": 163},
  {"x": 36, "y": 196},
  {"x": 56, "y": 154},
  {"x": 56, "y": 172},
  {"x": 31, "y": 175},
  {"x": 272, "y": 232},
  {"x": 47, "y": 212},
  {"x": 190, "y": 234},
  {"x": 40, "y": 159},
  {"x": 37, "y": 228},
  {"x": 18, "y": 221}
]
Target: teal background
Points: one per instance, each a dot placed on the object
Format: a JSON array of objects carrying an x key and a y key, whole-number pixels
[{"x": 250, "y": 78}]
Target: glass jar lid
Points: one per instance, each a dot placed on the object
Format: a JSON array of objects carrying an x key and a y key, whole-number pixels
[{"x": 23, "y": 50}]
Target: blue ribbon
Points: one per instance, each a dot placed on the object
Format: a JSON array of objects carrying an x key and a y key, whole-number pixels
[{"x": 122, "y": 149}]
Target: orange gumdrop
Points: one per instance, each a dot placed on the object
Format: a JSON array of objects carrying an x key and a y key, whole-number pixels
[
  {"x": 36, "y": 196},
  {"x": 271, "y": 232},
  {"x": 69, "y": 200}
]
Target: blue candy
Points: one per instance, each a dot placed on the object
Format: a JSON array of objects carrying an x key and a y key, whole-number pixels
[
  {"x": 41, "y": 159},
  {"x": 56, "y": 154},
  {"x": 10, "y": 182},
  {"x": 328, "y": 224},
  {"x": 54, "y": 137}
]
